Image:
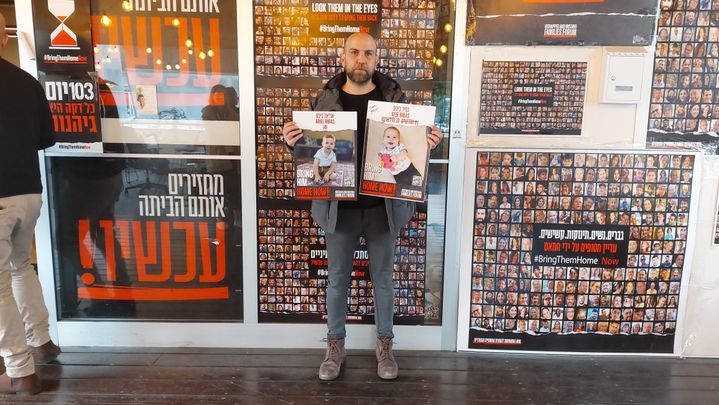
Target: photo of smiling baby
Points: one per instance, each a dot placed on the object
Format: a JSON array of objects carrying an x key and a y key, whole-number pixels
[
  {"x": 396, "y": 155},
  {"x": 395, "y": 158}
]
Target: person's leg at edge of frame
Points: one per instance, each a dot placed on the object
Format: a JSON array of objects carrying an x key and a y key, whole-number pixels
[
  {"x": 381, "y": 246},
  {"x": 19, "y": 376},
  {"x": 26, "y": 285},
  {"x": 340, "y": 253}
]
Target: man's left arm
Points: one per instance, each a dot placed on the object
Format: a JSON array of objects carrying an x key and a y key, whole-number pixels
[{"x": 45, "y": 127}]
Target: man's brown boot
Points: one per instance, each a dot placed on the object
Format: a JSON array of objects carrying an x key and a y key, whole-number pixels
[
  {"x": 334, "y": 360},
  {"x": 46, "y": 353},
  {"x": 386, "y": 366},
  {"x": 29, "y": 385}
]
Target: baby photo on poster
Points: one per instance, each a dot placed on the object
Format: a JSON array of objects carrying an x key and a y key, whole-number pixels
[
  {"x": 325, "y": 158},
  {"x": 396, "y": 155},
  {"x": 145, "y": 100}
]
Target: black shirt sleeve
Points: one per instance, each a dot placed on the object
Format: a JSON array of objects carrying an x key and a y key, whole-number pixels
[{"x": 45, "y": 127}]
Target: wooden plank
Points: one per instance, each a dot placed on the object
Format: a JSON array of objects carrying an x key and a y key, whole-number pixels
[
  {"x": 133, "y": 359},
  {"x": 262, "y": 376}
]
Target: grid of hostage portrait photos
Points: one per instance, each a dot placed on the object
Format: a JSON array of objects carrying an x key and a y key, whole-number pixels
[
  {"x": 648, "y": 193},
  {"x": 408, "y": 28},
  {"x": 685, "y": 99},
  {"x": 293, "y": 270},
  {"x": 275, "y": 167},
  {"x": 283, "y": 45},
  {"x": 562, "y": 103},
  {"x": 286, "y": 47}
]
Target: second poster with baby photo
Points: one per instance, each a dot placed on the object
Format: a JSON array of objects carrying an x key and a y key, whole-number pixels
[{"x": 396, "y": 158}]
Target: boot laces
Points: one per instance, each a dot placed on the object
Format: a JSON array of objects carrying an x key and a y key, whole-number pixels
[
  {"x": 385, "y": 349},
  {"x": 333, "y": 350}
]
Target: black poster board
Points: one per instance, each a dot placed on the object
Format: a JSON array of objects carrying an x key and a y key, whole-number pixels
[
  {"x": 579, "y": 250},
  {"x": 532, "y": 97},
  {"x": 561, "y": 22},
  {"x": 147, "y": 238},
  {"x": 75, "y": 109},
  {"x": 171, "y": 75},
  {"x": 62, "y": 36},
  {"x": 65, "y": 64}
]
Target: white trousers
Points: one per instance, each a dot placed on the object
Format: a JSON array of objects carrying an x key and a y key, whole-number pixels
[{"x": 23, "y": 315}]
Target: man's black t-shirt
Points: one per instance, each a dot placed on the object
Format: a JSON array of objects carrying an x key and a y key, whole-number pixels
[
  {"x": 358, "y": 103},
  {"x": 25, "y": 127}
]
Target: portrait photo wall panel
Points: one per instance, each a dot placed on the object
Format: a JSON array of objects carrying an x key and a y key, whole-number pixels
[{"x": 577, "y": 250}]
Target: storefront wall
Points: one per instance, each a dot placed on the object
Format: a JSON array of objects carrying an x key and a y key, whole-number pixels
[
  {"x": 605, "y": 126},
  {"x": 232, "y": 324}
]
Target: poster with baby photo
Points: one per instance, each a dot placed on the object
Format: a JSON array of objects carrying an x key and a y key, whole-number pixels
[
  {"x": 145, "y": 100},
  {"x": 396, "y": 158},
  {"x": 325, "y": 158}
]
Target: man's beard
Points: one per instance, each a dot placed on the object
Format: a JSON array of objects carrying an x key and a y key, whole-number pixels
[{"x": 359, "y": 76}]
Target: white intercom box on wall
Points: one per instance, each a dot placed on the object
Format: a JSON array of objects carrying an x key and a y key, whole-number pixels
[{"x": 623, "y": 77}]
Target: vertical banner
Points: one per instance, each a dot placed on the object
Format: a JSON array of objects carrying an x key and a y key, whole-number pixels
[
  {"x": 684, "y": 109},
  {"x": 65, "y": 61},
  {"x": 536, "y": 98},
  {"x": 561, "y": 22},
  {"x": 62, "y": 36},
  {"x": 149, "y": 239},
  {"x": 297, "y": 49},
  {"x": 578, "y": 251}
]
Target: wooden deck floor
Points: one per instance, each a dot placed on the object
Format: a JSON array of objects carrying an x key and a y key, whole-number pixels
[{"x": 193, "y": 376}]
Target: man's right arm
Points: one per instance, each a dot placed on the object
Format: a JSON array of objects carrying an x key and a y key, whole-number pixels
[{"x": 291, "y": 133}]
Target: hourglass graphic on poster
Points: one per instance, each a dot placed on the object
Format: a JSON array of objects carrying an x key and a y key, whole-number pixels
[{"x": 62, "y": 37}]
